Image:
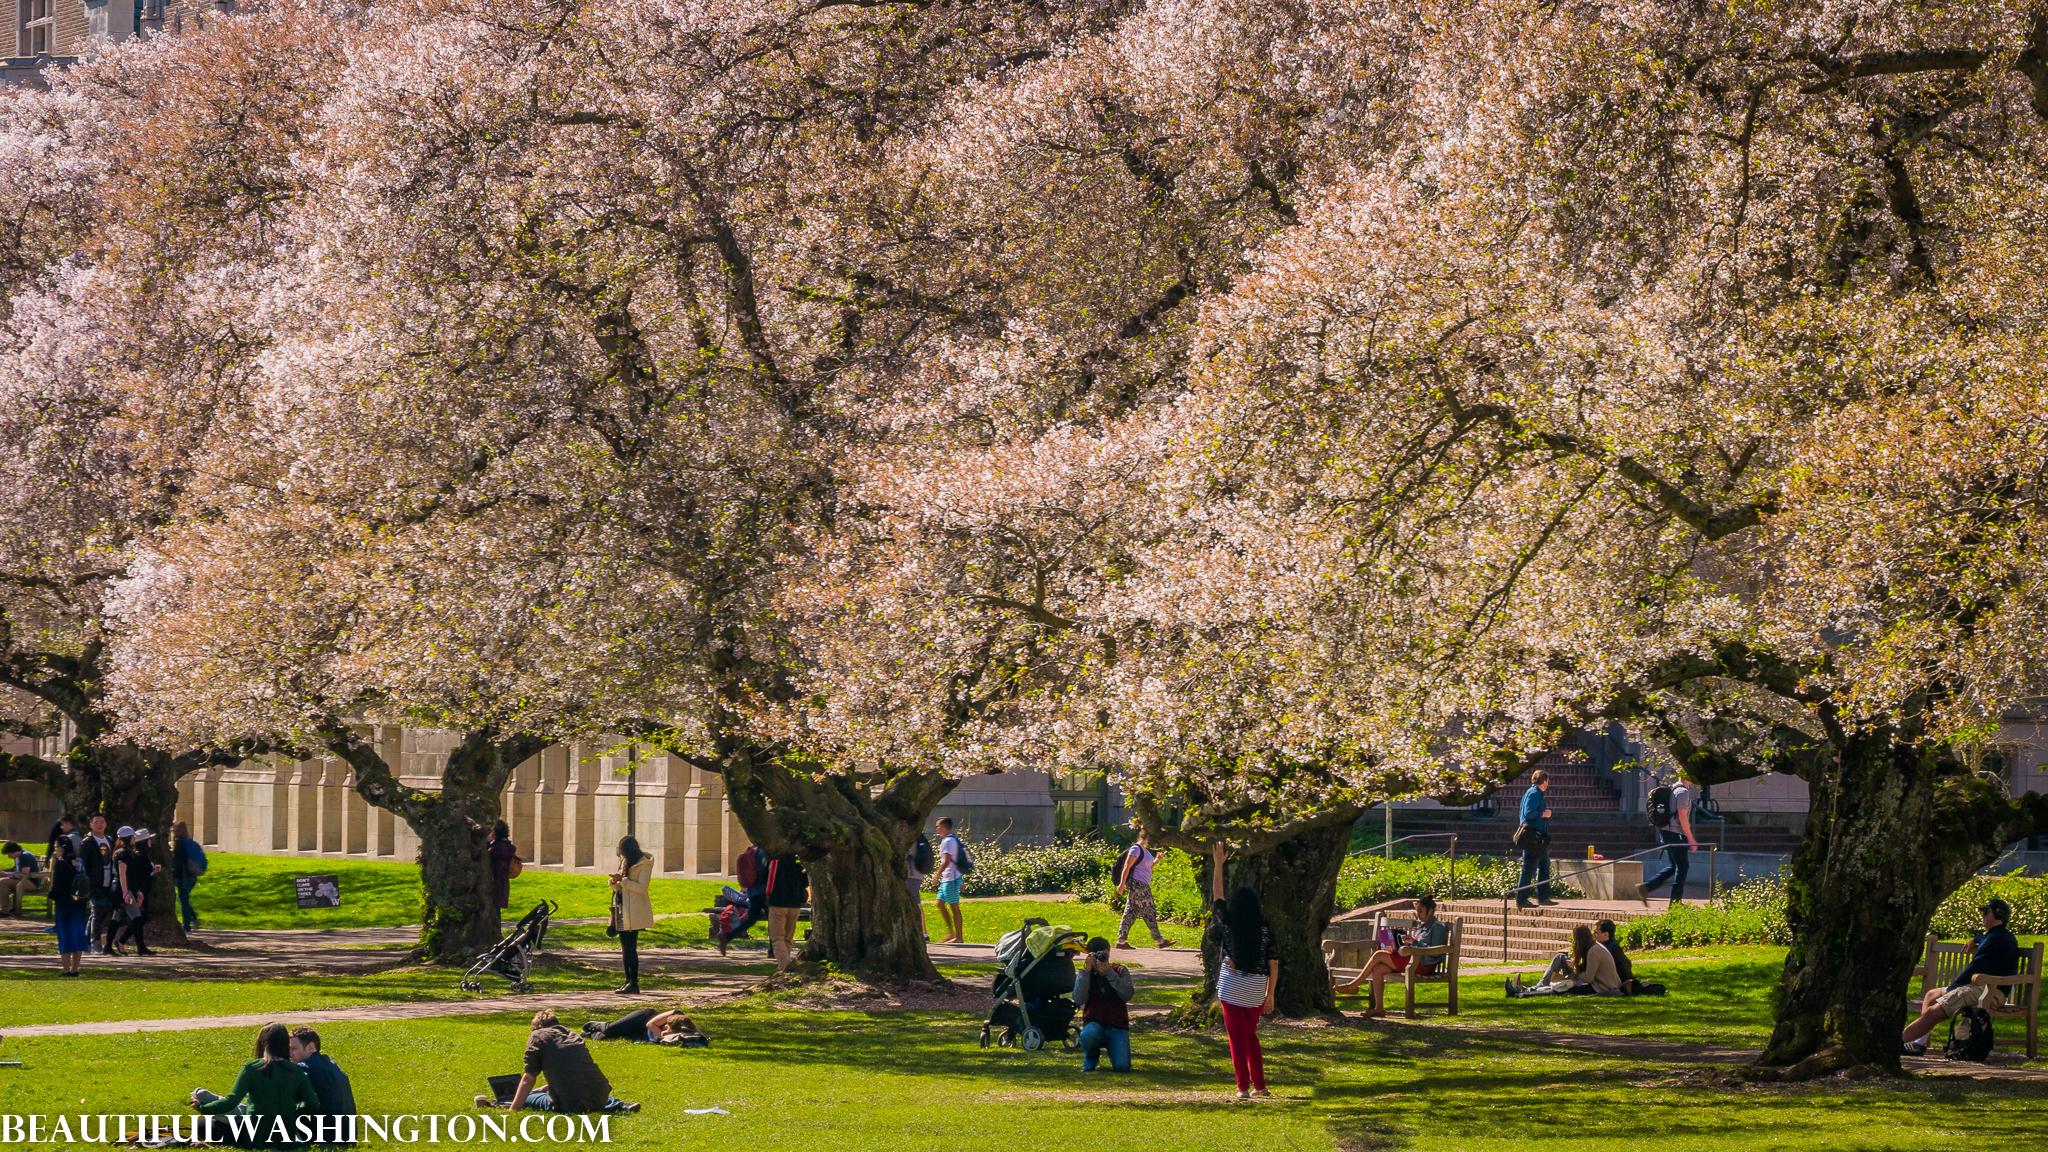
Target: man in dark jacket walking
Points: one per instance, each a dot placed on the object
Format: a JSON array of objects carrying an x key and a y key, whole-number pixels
[
  {"x": 96, "y": 855},
  {"x": 1535, "y": 822}
]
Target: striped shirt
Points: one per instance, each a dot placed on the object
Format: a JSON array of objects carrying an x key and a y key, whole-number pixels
[{"x": 1234, "y": 987}]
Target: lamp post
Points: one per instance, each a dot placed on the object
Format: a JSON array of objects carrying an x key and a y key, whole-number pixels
[{"x": 632, "y": 779}]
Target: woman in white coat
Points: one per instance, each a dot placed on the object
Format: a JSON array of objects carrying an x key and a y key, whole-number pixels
[{"x": 635, "y": 910}]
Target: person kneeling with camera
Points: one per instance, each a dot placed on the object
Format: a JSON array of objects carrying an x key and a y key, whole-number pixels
[{"x": 1102, "y": 989}]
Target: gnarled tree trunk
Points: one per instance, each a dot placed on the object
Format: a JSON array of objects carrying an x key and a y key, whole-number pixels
[
  {"x": 853, "y": 834},
  {"x": 1890, "y": 833},
  {"x": 1296, "y": 881},
  {"x": 459, "y": 919}
]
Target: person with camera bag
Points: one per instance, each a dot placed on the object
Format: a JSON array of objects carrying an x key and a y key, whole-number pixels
[
  {"x": 1532, "y": 836},
  {"x": 1102, "y": 990},
  {"x": 1670, "y": 804}
]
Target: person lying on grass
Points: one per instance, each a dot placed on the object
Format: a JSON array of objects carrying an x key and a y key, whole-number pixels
[
  {"x": 573, "y": 1082},
  {"x": 1587, "y": 971},
  {"x": 1995, "y": 953},
  {"x": 1430, "y": 932},
  {"x": 647, "y": 1026},
  {"x": 270, "y": 1088}
]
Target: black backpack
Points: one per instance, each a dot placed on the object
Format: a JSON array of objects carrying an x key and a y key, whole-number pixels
[
  {"x": 81, "y": 886},
  {"x": 1969, "y": 1036},
  {"x": 961, "y": 859},
  {"x": 1660, "y": 805},
  {"x": 921, "y": 855}
]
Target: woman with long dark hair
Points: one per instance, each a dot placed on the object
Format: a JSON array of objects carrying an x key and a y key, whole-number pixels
[
  {"x": 70, "y": 910},
  {"x": 1588, "y": 970},
  {"x": 635, "y": 911},
  {"x": 277, "y": 1090},
  {"x": 1248, "y": 974},
  {"x": 501, "y": 852}
]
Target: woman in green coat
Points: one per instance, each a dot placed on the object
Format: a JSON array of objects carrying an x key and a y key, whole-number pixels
[{"x": 276, "y": 1089}]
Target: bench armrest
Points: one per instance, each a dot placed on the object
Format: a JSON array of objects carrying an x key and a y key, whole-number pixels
[
  {"x": 1434, "y": 950},
  {"x": 1983, "y": 978}
]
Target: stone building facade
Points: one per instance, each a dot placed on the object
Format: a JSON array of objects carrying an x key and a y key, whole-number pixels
[{"x": 567, "y": 807}]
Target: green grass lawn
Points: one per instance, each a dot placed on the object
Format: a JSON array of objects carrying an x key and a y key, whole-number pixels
[
  {"x": 847, "y": 1081},
  {"x": 240, "y": 891}
]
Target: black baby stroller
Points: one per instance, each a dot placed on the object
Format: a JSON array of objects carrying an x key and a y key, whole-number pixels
[
  {"x": 1034, "y": 991},
  {"x": 512, "y": 957}
]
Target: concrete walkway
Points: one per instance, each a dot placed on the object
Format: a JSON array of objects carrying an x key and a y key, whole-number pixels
[{"x": 594, "y": 1004}]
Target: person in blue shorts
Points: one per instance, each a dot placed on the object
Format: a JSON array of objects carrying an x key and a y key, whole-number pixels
[{"x": 949, "y": 884}]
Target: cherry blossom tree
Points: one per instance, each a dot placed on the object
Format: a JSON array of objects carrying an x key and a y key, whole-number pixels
[{"x": 1683, "y": 371}]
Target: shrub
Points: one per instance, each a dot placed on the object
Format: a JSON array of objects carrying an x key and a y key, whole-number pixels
[
  {"x": 1375, "y": 879},
  {"x": 1754, "y": 913},
  {"x": 1000, "y": 871}
]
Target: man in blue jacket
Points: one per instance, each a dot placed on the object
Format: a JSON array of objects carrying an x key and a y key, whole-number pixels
[
  {"x": 1535, "y": 843},
  {"x": 1995, "y": 953}
]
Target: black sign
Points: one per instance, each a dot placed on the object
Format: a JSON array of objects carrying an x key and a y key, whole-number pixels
[{"x": 317, "y": 891}]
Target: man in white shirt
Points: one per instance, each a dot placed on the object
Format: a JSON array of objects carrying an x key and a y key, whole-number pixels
[{"x": 949, "y": 884}]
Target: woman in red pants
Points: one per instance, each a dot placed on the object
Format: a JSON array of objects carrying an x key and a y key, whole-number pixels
[{"x": 1245, "y": 982}]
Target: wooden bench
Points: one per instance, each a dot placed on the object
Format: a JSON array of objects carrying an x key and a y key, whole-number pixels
[
  {"x": 1944, "y": 962},
  {"x": 1347, "y": 958}
]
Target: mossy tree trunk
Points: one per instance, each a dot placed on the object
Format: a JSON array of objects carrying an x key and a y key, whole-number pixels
[
  {"x": 1296, "y": 880},
  {"x": 459, "y": 919},
  {"x": 853, "y": 834}
]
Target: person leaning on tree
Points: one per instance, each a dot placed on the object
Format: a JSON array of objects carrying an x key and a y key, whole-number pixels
[
  {"x": 1995, "y": 953},
  {"x": 788, "y": 888}
]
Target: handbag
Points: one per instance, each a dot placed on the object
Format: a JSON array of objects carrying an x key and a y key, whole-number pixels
[
  {"x": 618, "y": 911},
  {"x": 514, "y": 867},
  {"x": 1529, "y": 839}
]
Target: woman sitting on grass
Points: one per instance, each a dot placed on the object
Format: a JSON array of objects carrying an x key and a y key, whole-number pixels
[
  {"x": 648, "y": 1026},
  {"x": 275, "y": 1090},
  {"x": 1588, "y": 971}
]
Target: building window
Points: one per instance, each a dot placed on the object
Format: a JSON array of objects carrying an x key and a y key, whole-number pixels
[
  {"x": 32, "y": 28},
  {"x": 1076, "y": 817},
  {"x": 2001, "y": 761},
  {"x": 1080, "y": 803}
]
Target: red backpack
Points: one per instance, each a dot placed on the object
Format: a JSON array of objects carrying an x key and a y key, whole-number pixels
[{"x": 748, "y": 869}]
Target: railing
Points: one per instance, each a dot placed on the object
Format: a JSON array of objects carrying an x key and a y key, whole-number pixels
[
  {"x": 1451, "y": 870},
  {"x": 1713, "y": 858}
]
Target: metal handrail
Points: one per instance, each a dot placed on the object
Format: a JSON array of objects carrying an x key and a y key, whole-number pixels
[
  {"x": 1451, "y": 870},
  {"x": 1713, "y": 859}
]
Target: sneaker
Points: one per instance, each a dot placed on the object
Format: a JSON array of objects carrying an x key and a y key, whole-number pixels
[
  {"x": 633, "y": 1107},
  {"x": 1125, "y": 945},
  {"x": 1262, "y": 1093},
  {"x": 1163, "y": 943},
  {"x": 1243, "y": 1095},
  {"x": 592, "y": 1027},
  {"x": 485, "y": 1102}
]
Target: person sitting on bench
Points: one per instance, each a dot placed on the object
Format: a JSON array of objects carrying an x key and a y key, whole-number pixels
[
  {"x": 1995, "y": 953},
  {"x": 1587, "y": 971},
  {"x": 573, "y": 1081},
  {"x": 1430, "y": 932},
  {"x": 648, "y": 1026}
]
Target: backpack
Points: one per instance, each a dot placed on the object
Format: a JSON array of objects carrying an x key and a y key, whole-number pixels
[
  {"x": 81, "y": 885},
  {"x": 961, "y": 859},
  {"x": 195, "y": 857},
  {"x": 921, "y": 855},
  {"x": 1130, "y": 863},
  {"x": 1660, "y": 805},
  {"x": 1969, "y": 1036},
  {"x": 748, "y": 868}
]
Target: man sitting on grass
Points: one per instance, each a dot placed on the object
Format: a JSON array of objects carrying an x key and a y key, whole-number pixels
[
  {"x": 1995, "y": 953},
  {"x": 574, "y": 1083},
  {"x": 1603, "y": 935},
  {"x": 330, "y": 1083}
]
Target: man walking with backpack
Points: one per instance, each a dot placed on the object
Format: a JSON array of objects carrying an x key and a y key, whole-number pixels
[
  {"x": 953, "y": 864},
  {"x": 1668, "y": 804}
]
